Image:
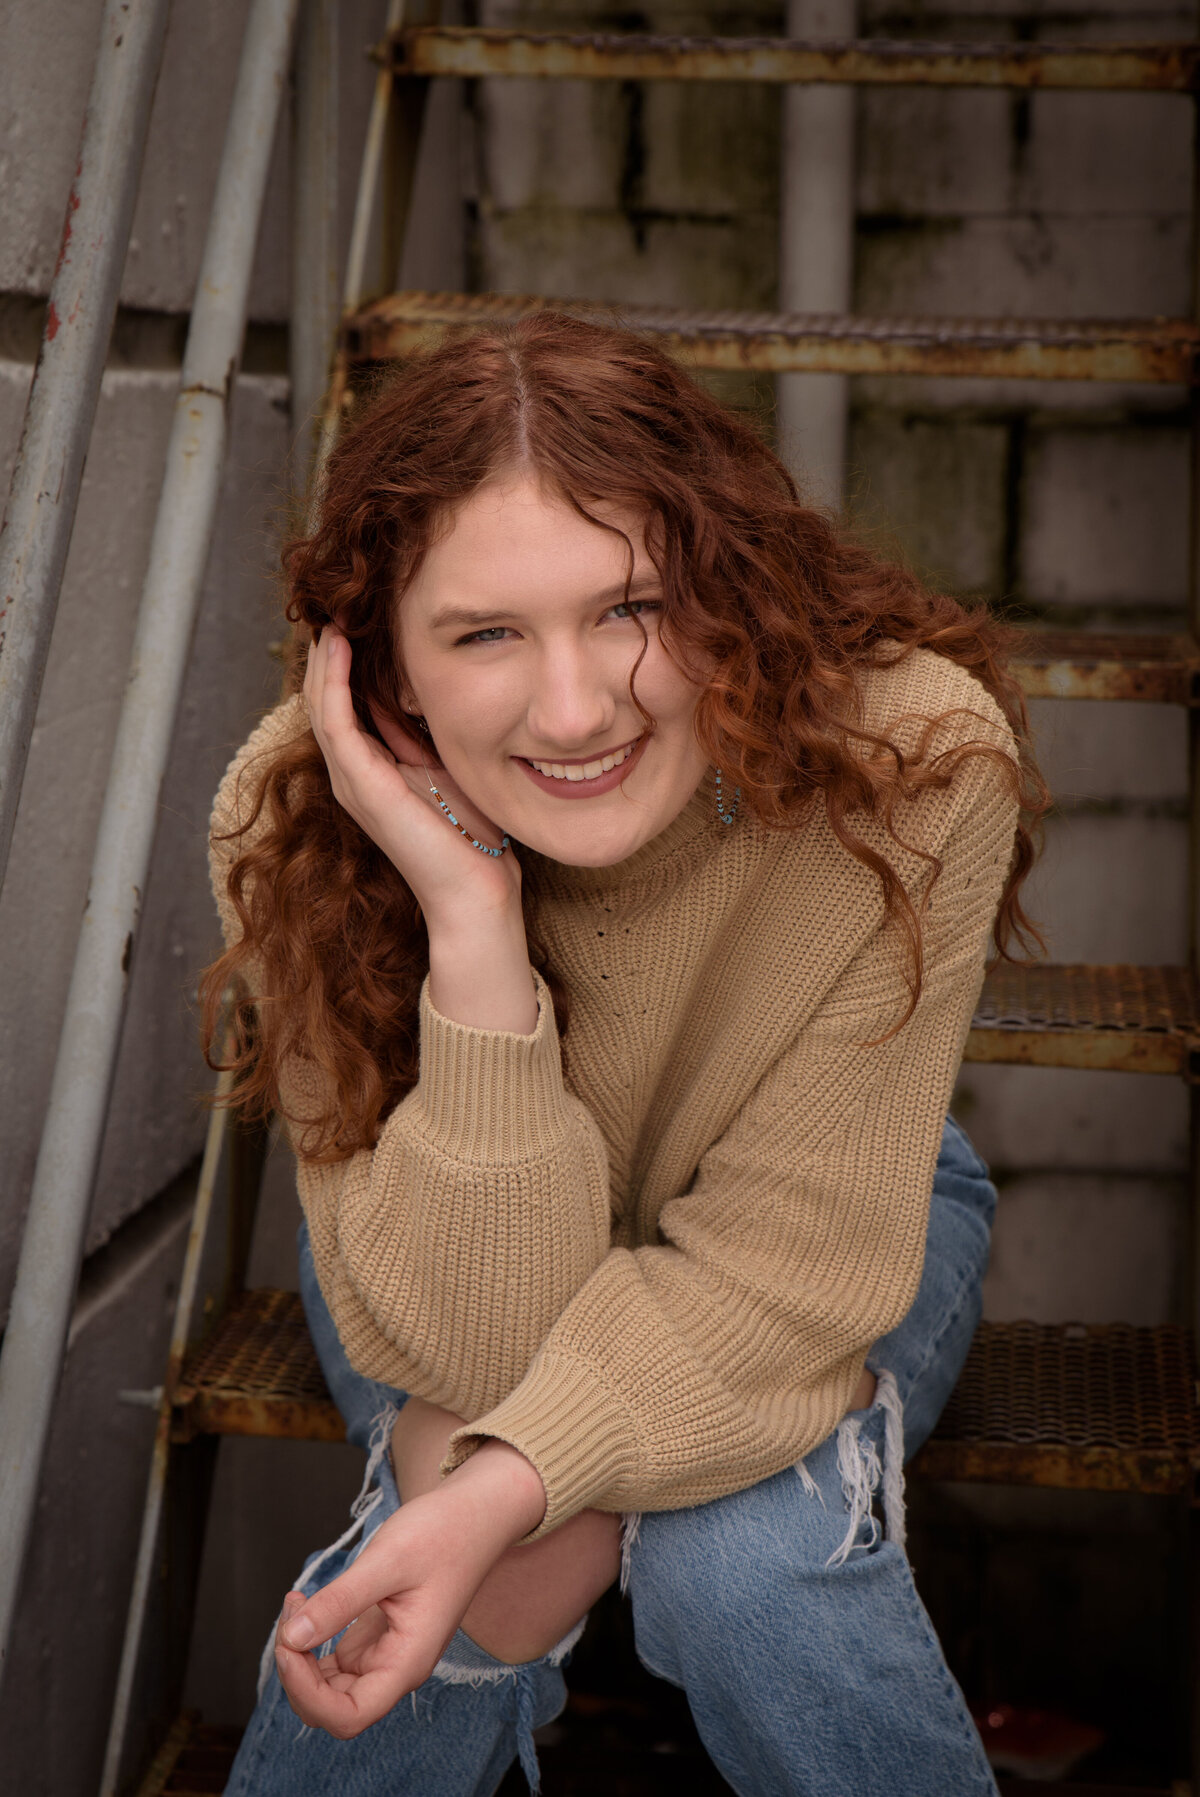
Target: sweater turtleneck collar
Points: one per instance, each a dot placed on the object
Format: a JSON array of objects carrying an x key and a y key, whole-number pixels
[{"x": 697, "y": 822}]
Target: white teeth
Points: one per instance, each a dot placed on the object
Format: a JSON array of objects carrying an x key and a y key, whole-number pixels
[{"x": 590, "y": 770}]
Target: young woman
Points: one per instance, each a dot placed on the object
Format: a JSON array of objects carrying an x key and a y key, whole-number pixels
[{"x": 611, "y": 906}]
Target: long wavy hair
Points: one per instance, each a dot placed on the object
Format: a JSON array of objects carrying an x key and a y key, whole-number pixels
[{"x": 783, "y": 609}]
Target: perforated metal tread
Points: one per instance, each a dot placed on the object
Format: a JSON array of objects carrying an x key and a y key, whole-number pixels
[
  {"x": 1110, "y": 1408},
  {"x": 1027, "y": 349},
  {"x": 1106, "y": 1407},
  {"x": 257, "y": 1374},
  {"x": 598, "y": 56},
  {"x": 1128, "y": 1019}
]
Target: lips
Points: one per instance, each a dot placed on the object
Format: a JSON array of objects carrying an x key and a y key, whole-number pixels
[{"x": 584, "y": 779}]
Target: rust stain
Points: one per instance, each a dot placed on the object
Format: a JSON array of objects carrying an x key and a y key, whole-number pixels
[
  {"x": 235, "y": 1413},
  {"x": 463, "y": 51},
  {"x": 1154, "y": 350},
  {"x": 52, "y": 323},
  {"x": 1098, "y": 665}
]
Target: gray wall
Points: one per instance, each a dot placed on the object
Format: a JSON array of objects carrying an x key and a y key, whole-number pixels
[{"x": 1067, "y": 501}]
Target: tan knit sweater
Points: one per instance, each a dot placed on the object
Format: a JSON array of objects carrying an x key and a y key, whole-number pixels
[{"x": 658, "y": 1276}]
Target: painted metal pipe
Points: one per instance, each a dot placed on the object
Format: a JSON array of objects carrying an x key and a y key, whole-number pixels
[
  {"x": 816, "y": 251},
  {"x": 36, "y": 533},
  {"x": 146, "y": 1565},
  {"x": 48, "y": 1271},
  {"x": 315, "y": 291}
]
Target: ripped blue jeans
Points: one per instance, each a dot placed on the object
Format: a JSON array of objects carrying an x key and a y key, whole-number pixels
[{"x": 786, "y": 1612}]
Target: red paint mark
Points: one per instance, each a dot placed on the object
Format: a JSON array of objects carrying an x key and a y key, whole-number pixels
[
  {"x": 52, "y": 323},
  {"x": 72, "y": 208}
]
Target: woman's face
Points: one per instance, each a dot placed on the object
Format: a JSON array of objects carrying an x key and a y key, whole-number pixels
[{"x": 518, "y": 647}]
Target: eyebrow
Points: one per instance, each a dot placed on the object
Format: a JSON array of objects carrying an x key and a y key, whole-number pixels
[{"x": 457, "y": 618}]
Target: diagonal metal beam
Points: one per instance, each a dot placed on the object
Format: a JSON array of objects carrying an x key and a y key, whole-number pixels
[
  {"x": 36, "y": 532},
  {"x": 48, "y": 1271}
]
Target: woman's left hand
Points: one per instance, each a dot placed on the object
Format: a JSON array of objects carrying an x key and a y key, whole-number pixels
[{"x": 405, "y": 1594}]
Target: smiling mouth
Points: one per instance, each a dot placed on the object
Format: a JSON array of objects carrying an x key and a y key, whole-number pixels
[{"x": 577, "y": 771}]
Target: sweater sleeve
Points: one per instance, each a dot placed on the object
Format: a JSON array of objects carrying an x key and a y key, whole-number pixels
[
  {"x": 447, "y": 1251},
  {"x": 701, "y": 1364}
]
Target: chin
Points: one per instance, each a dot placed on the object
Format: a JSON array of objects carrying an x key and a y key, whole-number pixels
[{"x": 578, "y": 847}]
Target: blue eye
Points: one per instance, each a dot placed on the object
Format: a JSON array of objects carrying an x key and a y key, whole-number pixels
[
  {"x": 629, "y": 608},
  {"x": 495, "y": 634}
]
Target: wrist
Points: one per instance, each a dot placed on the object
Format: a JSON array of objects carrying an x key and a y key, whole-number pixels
[
  {"x": 479, "y": 972},
  {"x": 504, "y": 1484}
]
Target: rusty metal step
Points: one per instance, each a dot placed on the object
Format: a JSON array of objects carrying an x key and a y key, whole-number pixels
[
  {"x": 603, "y": 56},
  {"x": 1101, "y": 1407},
  {"x": 1122, "y": 1019},
  {"x": 1041, "y": 349},
  {"x": 1080, "y": 664},
  {"x": 1107, "y": 1408}
]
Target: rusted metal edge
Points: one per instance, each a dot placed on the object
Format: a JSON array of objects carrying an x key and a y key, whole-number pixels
[
  {"x": 1156, "y": 1472},
  {"x": 204, "y": 1411},
  {"x": 458, "y": 50},
  {"x": 1138, "y": 350},
  {"x": 1072, "y": 665},
  {"x": 1100, "y": 1050}
]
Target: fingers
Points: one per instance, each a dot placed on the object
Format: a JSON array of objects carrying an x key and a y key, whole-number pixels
[{"x": 318, "y": 1618}]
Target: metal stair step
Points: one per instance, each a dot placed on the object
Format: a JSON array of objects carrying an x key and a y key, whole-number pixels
[
  {"x": 1108, "y": 1408},
  {"x": 1152, "y": 350},
  {"x": 606, "y": 56},
  {"x": 1124, "y": 1019},
  {"x": 1079, "y": 664}
]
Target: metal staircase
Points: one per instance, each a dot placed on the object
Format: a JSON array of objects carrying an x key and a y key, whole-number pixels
[{"x": 1110, "y": 1408}]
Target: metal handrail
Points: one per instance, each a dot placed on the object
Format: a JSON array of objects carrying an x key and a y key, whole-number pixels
[
  {"x": 51, "y": 1250},
  {"x": 36, "y": 533}
]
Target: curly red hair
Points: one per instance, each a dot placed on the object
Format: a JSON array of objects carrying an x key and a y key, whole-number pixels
[{"x": 783, "y": 609}]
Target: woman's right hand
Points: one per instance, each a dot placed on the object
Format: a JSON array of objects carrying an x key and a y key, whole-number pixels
[{"x": 471, "y": 902}]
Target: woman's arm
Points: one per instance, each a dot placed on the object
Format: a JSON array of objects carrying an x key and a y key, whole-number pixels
[
  {"x": 694, "y": 1367},
  {"x": 489, "y": 1177}
]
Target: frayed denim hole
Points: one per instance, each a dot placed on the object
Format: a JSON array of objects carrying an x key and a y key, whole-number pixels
[
  {"x": 631, "y": 1529},
  {"x": 864, "y": 1472},
  {"x": 361, "y": 1510}
]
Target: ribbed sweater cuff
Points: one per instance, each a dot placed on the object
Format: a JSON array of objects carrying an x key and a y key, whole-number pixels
[
  {"x": 575, "y": 1431},
  {"x": 487, "y": 1096}
]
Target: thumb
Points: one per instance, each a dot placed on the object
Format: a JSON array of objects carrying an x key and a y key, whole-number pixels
[{"x": 309, "y": 1621}]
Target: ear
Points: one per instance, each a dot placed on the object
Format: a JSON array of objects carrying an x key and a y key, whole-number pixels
[{"x": 404, "y": 747}]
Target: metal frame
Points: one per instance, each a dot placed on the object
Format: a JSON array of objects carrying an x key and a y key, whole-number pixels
[
  {"x": 36, "y": 532},
  {"x": 52, "y": 1246}
]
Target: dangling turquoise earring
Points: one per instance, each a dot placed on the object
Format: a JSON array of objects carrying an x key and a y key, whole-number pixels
[{"x": 727, "y": 817}]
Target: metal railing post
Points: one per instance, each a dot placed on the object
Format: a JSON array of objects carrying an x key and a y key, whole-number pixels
[
  {"x": 315, "y": 288},
  {"x": 48, "y": 1271},
  {"x": 816, "y": 249},
  {"x": 36, "y": 532}
]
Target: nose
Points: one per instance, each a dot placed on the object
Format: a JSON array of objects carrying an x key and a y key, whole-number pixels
[{"x": 574, "y": 702}]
